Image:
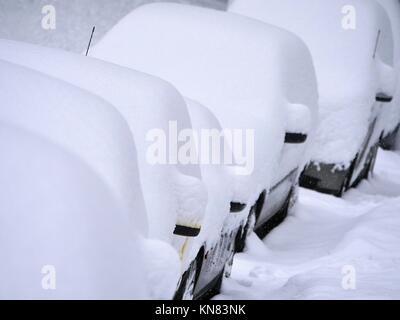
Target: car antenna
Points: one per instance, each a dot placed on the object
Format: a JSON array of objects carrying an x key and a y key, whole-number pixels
[
  {"x": 90, "y": 41},
  {"x": 376, "y": 43}
]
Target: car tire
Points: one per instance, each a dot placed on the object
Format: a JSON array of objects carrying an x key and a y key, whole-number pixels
[
  {"x": 371, "y": 164},
  {"x": 189, "y": 279},
  {"x": 216, "y": 288},
  {"x": 294, "y": 197},
  {"x": 345, "y": 185},
  {"x": 245, "y": 231},
  {"x": 186, "y": 287}
]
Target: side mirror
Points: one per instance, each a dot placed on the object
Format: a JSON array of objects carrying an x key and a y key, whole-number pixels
[
  {"x": 192, "y": 202},
  {"x": 187, "y": 231},
  {"x": 298, "y": 126},
  {"x": 388, "y": 79},
  {"x": 237, "y": 207},
  {"x": 382, "y": 97},
  {"x": 295, "y": 138}
]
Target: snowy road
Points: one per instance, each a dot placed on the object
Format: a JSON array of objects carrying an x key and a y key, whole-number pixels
[{"x": 329, "y": 248}]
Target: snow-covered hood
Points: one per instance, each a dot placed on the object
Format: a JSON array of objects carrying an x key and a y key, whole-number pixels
[
  {"x": 173, "y": 192},
  {"x": 61, "y": 226},
  {"x": 352, "y": 48},
  {"x": 79, "y": 122},
  {"x": 237, "y": 67}
]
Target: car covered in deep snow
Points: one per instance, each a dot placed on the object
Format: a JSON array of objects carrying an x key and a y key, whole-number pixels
[
  {"x": 222, "y": 231},
  {"x": 70, "y": 200},
  {"x": 352, "y": 49},
  {"x": 391, "y": 114},
  {"x": 149, "y": 106},
  {"x": 256, "y": 79}
]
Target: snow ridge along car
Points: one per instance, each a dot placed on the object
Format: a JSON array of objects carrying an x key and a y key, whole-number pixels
[
  {"x": 352, "y": 49},
  {"x": 250, "y": 75},
  {"x": 48, "y": 203},
  {"x": 391, "y": 114},
  {"x": 154, "y": 104},
  {"x": 71, "y": 194}
]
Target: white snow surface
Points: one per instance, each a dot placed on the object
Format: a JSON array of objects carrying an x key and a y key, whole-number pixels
[
  {"x": 80, "y": 122},
  {"x": 163, "y": 268},
  {"x": 173, "y": 193},
  {"x": 218, "y": 179},
  {"x": 391, "y": 113},
  {"x": 60, "y": 225},
  {"x": 325, "y": 238},
  {"x": 348, "y": 76},
  {"x": 244, "y": 71},
  {"x": 91, "y": 131}
]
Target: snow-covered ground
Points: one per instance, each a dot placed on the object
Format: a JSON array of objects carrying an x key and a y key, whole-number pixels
[
  {"x": 22, "y": 19},
  {"x": 329, "y": 248}
]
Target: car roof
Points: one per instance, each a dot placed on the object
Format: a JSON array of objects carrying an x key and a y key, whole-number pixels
[
  {"x": 342, "y": 37},
  {"x": 146, "y": 103},
  {"x": 80, "y": 122},
  {"x": 57, "y": 212},
  {"x": 241, "y": 69},
  {"x": 343, "y": 57},
  {"x": 214, "y": 57},
  {"x": 144, "y": 100}
]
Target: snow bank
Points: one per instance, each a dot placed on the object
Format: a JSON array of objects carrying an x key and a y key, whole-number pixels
[
  {"x": 173, "y": 193},
  {"x": 242, "y": 70},
  {"x": 349, "y": 73},
  {"x": 163, "y": 268},
  {"x": 59, "y": 217},
  {"x": 391, "y": 113},
  {"x": 311, "y": 255},
  {"x": 79, "y": 122}
]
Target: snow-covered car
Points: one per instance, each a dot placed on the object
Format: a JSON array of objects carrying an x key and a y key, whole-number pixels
[
  {"x": 256, "y": 79},
  {"x": 391, "y": 114},
  {"x": 222, "y": 229},
  {"x": 352, "y": 49},
  {"x": 174, "y": 194},
  {"x": 71, "y": 203},
  {"x": 60, "y": 223}
]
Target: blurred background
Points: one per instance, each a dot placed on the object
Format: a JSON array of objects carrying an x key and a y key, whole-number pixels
[{"x": 22, "y": 19}]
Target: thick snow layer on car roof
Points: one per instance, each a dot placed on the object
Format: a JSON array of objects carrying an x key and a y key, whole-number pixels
[
  {"x": 80, "y": 122},
  {"x": 349, "y": 72},
  {"x": 241, "y": 69},
  {"x": 58, "y": 218},
  {"x": 172, "y": 191},
  {"x": 391, "y": 117}
]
